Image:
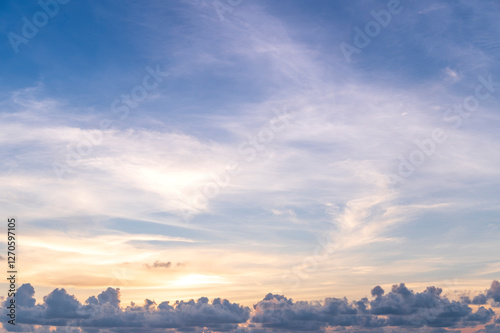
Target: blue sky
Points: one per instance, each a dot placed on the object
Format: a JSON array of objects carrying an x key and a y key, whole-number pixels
[{"x": 240, "y": 148}]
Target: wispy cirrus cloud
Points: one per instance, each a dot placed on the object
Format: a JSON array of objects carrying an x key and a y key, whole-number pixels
[{"x": 349, "y": 128}]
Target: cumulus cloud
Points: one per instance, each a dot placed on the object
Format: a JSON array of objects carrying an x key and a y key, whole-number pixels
[
  {"x": 62, "y": 309},
  {"x": 377, "y": 291},
  {"x": 479, "y": 299},
  {"x": 493, "y": 293},
  {"x": 110, "y": 296},
  {"x": 25, "y": 295},
  {"x": 279, "y": 312},
  {"x": 401, "y": 309},
  {"x": 59, "y": 304}
]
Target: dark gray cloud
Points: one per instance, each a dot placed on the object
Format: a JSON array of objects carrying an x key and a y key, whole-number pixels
[
  {"x": 401, "y": 307},
  {"x": 279, "y": 312},
  {"x": 480, "y": 299},
  {"x": 111, "y": 296},
  {"x": 59, "y": 304},
  {"x": 481, "y": 316},
  {"x": 25, "y": 295},
  {"x": 494, "y": 291},
  {"x": 377, "y": 291},
  {"x": 399, "y": 310},
  {"x": 428, "y": 308},
  {"x": 104, "y": 312}
]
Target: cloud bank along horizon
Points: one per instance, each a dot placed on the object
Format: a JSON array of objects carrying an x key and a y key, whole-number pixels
[
  {"x": 400, "y": 307},
  {"x": 233, "y": 149}
]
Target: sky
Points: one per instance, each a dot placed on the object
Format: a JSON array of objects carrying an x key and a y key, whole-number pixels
[{"x": 261, "y": 165}]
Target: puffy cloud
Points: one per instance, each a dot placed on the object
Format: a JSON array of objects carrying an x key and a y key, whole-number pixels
[
  {"x": 59, "y": 304},
  {"x": 494, "y": 291},
  {"x": 480, "y": 299},
  {"x": 111, "y": 296},
  {"x": 401, "y": 309},
  {"x": 377, "y": 291},
  {"x": 25, "y": 295},
  {"x": 279, "y": 312},
  {"x": 58, "y": 308},
  {"x": 481, "y": 316},
  {"x": 428, "y": 308},
  {"x": 62, "y": 309}
]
